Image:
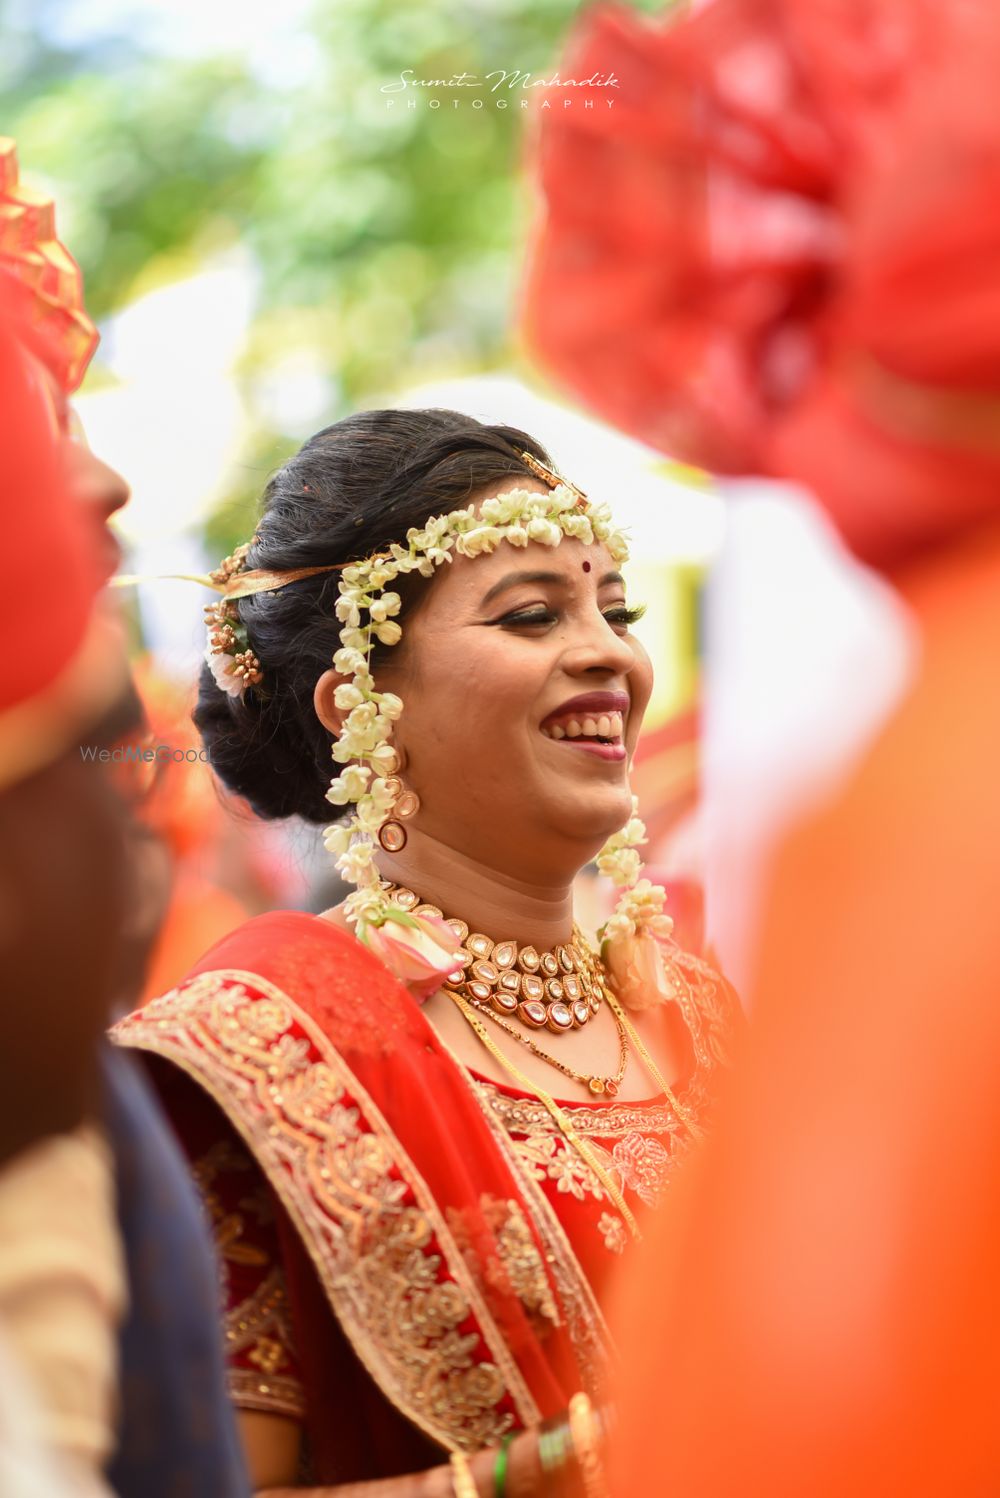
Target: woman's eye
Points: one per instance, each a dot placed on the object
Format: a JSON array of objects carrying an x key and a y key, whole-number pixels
[
  {"x": 624, "y": 616},
  {"x": 620, "y": 616},
  {"x": 529, "y": 616}
]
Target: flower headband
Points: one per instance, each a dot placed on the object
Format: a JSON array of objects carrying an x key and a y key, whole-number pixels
[{"x": 367, "y": 608}]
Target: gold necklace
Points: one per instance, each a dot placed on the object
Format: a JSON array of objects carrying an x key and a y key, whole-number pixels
[
  {"x": 597, "y": 1084},
  {"x": 559, "y": 1117},
  {"x": 559, "y": 990}
]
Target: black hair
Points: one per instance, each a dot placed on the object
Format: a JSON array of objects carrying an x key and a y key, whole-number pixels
[{"x": 350, "y": 490}]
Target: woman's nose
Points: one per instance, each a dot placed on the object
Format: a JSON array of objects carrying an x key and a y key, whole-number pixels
[{"x": 598, "y": 647}]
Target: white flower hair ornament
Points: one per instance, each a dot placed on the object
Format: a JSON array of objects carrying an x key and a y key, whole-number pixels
[
  {"x": 421, "y": 948},
  {"x": 630, "y": 939}
]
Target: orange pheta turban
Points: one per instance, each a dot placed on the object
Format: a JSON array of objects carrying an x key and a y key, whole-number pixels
[{"x": 51, "y": 286}]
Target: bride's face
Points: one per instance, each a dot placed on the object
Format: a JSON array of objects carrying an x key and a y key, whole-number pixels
[{"x": 523, "y": 696}]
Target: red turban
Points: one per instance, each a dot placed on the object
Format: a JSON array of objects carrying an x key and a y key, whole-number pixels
[
  {"x": 779, "y": 252},
  {"x": 63, "y": 658},
  {"x": 55, "y": 320}
]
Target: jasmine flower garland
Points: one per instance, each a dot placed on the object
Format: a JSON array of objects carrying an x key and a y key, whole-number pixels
[{"x": 367, "y": 609}]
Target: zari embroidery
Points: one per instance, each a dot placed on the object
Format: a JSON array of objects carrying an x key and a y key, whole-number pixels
[
  {"x": 526, "y": 1116},
  {"x": 384, "y": 1253},
  {"x": 584, "y": 1321},
  {"x": 612, "y": 1230},
  {"x": 640, "y": 1143},
  {"x": 550, "y": 1156},
  {"x": 517, "y": 1267},
  {"x": 709, "y": 1008},
  {"x": 257, "y": 1328},
  {"x": 523, "y": 1263}
]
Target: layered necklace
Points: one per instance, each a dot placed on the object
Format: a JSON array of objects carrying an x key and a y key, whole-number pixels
[
  {"x": 503, "y": 982},
  {"x": 478, "y": 989}
]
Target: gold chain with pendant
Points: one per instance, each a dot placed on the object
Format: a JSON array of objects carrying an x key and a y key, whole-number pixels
[{"x": 486, "y": 978}]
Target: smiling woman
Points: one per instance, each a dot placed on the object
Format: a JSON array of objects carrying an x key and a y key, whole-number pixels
[{"x": 417, "y": 1234}]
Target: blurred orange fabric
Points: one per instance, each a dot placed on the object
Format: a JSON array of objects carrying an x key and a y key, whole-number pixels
[
  {"x": 781, "y": 255},
  {"x": 821, "y": 1313}
]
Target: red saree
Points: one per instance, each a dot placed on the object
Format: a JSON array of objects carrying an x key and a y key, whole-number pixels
[{"x": 436, "y": 1296}]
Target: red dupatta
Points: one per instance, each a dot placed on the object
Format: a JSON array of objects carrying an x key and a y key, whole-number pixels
[{"x": 436, "y": 1252}]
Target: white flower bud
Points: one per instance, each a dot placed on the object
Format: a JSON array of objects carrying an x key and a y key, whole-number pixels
[
  {"x": 388, "y": 633},
  {"x": 347, "y": 696},
  {"x": 336, "y": 839},
  {"x": 390, "y": 706}
]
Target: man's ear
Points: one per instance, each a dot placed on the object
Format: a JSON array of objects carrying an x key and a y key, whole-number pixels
[{"x": 329, "y": 714}]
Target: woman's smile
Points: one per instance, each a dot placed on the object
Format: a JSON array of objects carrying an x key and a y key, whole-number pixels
[{"x": 593, "y": 721}]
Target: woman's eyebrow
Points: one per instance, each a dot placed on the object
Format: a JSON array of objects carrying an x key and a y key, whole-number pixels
[{"x": 559, "y": 579}]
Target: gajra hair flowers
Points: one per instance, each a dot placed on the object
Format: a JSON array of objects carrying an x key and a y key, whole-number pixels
[
  {"x": 368, "y": 613},
  {"x": 629, "y": 939},
  {"x": 366, "y": 781},
  {"x": 367, "y": 608}
]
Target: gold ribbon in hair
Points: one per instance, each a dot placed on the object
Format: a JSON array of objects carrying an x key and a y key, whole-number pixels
[{"x": 240, "y": 585}]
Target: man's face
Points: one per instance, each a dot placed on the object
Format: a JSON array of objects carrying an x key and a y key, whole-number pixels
[{"x": 97, "y": 486}]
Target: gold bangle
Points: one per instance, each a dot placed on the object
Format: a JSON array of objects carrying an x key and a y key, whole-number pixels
[
  {"x": 462, "y": 1480},
  {"x": 585, "y": 1443}
]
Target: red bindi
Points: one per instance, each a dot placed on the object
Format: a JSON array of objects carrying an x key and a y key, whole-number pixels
[{"x": 586, "y": 566}]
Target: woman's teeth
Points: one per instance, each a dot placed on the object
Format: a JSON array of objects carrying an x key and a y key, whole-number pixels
[{"x": 607, "y": 726}]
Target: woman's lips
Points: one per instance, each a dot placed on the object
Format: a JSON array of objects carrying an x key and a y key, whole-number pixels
[
  {"x": 599, "y": 732},
  {"x": 592, "y": 746}
]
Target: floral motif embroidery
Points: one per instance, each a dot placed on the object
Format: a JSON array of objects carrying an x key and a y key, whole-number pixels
[
  {"x": 640, "y": 1159},
  {"x": 520, "y": 1257},
  {"x": 612, "y": 1230},
  {"x": 550, "y": 1156},
  {"x": 260, "y": 1329},
  {"x": 641, "y": 1143},
  {"x": 257, "y": 1327},
  {"x": 366, "y": 1216},
  {"x": 643, "y": 1165},
  {"x": 228, "y": 1228},
  {"x": 523, "y": 1115}
]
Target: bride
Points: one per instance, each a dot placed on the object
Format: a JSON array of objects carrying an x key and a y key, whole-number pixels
[{"x": 426, "y": 1123}]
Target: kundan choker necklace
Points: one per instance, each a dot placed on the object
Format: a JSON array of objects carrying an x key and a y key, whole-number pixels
[
  {"x": 503, "y": 982},
  {"x": 559, "y": 990}
]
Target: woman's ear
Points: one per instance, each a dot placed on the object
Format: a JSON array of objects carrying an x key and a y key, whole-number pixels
[{"x": 329, "y": 714}]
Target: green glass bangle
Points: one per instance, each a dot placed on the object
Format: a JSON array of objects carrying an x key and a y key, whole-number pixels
[{"x": 500, "y": 1467}]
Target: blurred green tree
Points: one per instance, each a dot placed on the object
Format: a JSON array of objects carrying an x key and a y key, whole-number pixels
[{"x": 386, "y": 239}]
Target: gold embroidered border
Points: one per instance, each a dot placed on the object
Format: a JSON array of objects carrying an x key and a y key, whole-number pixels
[
  {"x": 277, "y": 1395},
  {"x": 362, "y": 1209},
  {"x": 584, "y": 1319},
  {"x": 527, "y": 1116},
  {"x": 707, "y": 1005}
]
